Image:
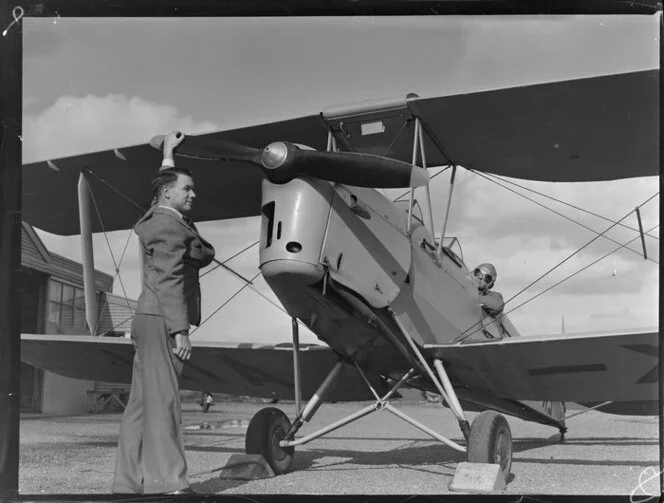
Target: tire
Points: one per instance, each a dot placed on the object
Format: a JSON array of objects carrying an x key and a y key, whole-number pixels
[
  {"x": 266, "y": 429},
  {"x": 490, "y": 441}
]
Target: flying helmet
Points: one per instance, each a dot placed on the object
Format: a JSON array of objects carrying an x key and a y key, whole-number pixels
[{"x": 487, "y": 273}]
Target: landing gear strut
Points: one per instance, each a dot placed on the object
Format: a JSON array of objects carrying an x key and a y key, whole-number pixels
[{"x": 272, "y": 435}]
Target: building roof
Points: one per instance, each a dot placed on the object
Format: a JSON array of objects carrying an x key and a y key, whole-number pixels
[{"x": 35, "y": 256}]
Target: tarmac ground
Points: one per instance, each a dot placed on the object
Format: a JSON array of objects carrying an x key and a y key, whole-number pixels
[{"x": 379, "y": 454}]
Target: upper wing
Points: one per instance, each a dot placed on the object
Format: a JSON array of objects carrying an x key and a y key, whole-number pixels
[
  {"x": 593, "y": 129},
  {"x": 597, "y": 368},
  {"x": 599, "y": 128},
  {"x": 237, "y": 369},
  {"x": 120, "y": 182}
]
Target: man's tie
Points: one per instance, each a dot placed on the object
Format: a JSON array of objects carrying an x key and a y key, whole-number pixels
[{"x": 189, "y": 222}]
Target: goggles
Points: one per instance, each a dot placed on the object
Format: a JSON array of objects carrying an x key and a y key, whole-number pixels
[{"x": 487, "y": 278}]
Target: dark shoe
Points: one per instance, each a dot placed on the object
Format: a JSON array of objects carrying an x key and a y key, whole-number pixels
[{"x": 186, "y": 490}]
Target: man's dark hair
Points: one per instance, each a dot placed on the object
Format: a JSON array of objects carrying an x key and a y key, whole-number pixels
[{"x": 166, "y": 177}]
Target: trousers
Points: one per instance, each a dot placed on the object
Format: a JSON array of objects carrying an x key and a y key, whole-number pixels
[{"x": 150, "y": 457}]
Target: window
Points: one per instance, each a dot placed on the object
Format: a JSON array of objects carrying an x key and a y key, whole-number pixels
[
  {"x": 66, "y": 305},
  {"x": 452, "y": 243},
  {"x": 54, "y": 300},
  {"x": 79, "y": 308}
]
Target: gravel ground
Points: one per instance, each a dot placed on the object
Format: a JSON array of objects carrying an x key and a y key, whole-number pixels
[{"x": 379, "y": 454}]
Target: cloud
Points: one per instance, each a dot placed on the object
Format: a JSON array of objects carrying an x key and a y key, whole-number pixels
[{"x": 75, "y": 125}]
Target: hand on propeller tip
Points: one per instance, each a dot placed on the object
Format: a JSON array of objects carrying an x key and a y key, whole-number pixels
[
  {"x": 172, "y": 140},
  {"x": 182, "y": 347}
]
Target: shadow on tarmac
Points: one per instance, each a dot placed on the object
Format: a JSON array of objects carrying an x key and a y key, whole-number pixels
[{"x": 417, "y": 457}]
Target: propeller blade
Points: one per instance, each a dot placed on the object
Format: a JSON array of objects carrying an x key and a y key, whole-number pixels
[
  {"x": 358, "y": 169},
  {"x": 204, "y": 147},
  {"x": 283, "y": 161}
]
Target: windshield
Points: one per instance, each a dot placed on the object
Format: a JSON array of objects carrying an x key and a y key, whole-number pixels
[{"x": 452, "y": 244}]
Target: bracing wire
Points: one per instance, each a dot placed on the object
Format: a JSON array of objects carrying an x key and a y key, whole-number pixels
[
  {"x": 463, "y": 337},
  {"x": 247, "y": 283},
  {"x": 571, "y": 219},
  {"x": 124, "y": 250},
  {"x": 566, "y": 203},
  {"x": 221, "y": 264},
  {"x": 120, "y": 193},
  {"x": 112, "y": 329},
  {"x": 257, "y": 291},
  {"x": 578, "y": 250},
  {"x": 224, "y": 303},
  {"x": 396, "y": 137}
]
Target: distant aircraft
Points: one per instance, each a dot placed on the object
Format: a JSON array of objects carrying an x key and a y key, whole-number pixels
[{"x": 395, "y": 306}]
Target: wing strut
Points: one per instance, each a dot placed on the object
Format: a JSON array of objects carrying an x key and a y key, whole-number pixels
[
  {"x": 418, "y": 146},
  {"x": 643, "y": 240},
  {"x": 428, "y": 185},
  {"x": 447, "y": 212},
  {"x": 87, "y": 254}
]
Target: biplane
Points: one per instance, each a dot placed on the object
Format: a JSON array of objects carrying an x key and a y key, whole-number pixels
[{"x": 390, "y": 296}]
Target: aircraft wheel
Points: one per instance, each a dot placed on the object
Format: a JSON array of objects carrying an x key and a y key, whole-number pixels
[
  {"x": 490, "y": 441},
  {"x": 266, "y": 429}
]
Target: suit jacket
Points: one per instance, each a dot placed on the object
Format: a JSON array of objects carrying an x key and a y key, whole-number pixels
[{"x": 173, "y": 252}]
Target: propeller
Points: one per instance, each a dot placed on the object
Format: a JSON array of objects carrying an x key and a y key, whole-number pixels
[{"x": 282, "y": 161}]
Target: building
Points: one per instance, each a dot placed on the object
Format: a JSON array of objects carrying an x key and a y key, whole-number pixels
[{"x": 52, "y": 302}]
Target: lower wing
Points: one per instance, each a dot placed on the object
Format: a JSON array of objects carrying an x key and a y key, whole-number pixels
[
  {"x": 239, "y": 369},
  {"x": 621, "y": 368}
]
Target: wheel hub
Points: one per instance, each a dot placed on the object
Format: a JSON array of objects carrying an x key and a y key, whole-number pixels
[{"x": 277, "y": 436}]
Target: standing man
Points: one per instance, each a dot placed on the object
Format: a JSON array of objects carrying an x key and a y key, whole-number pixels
[{"x": 150, "y": 457}]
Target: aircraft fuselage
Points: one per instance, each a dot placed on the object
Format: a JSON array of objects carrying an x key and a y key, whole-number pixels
[{"x": 341, "y": 260}]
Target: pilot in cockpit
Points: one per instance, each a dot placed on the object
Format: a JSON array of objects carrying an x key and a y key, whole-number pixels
[{"x": 485, "y": 277}]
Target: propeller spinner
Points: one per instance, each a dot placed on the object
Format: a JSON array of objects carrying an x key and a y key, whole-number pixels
[{"x": 283, "y": 161}]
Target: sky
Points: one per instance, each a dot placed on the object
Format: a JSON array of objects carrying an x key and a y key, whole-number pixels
[{"x": 98, "y": 83}]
